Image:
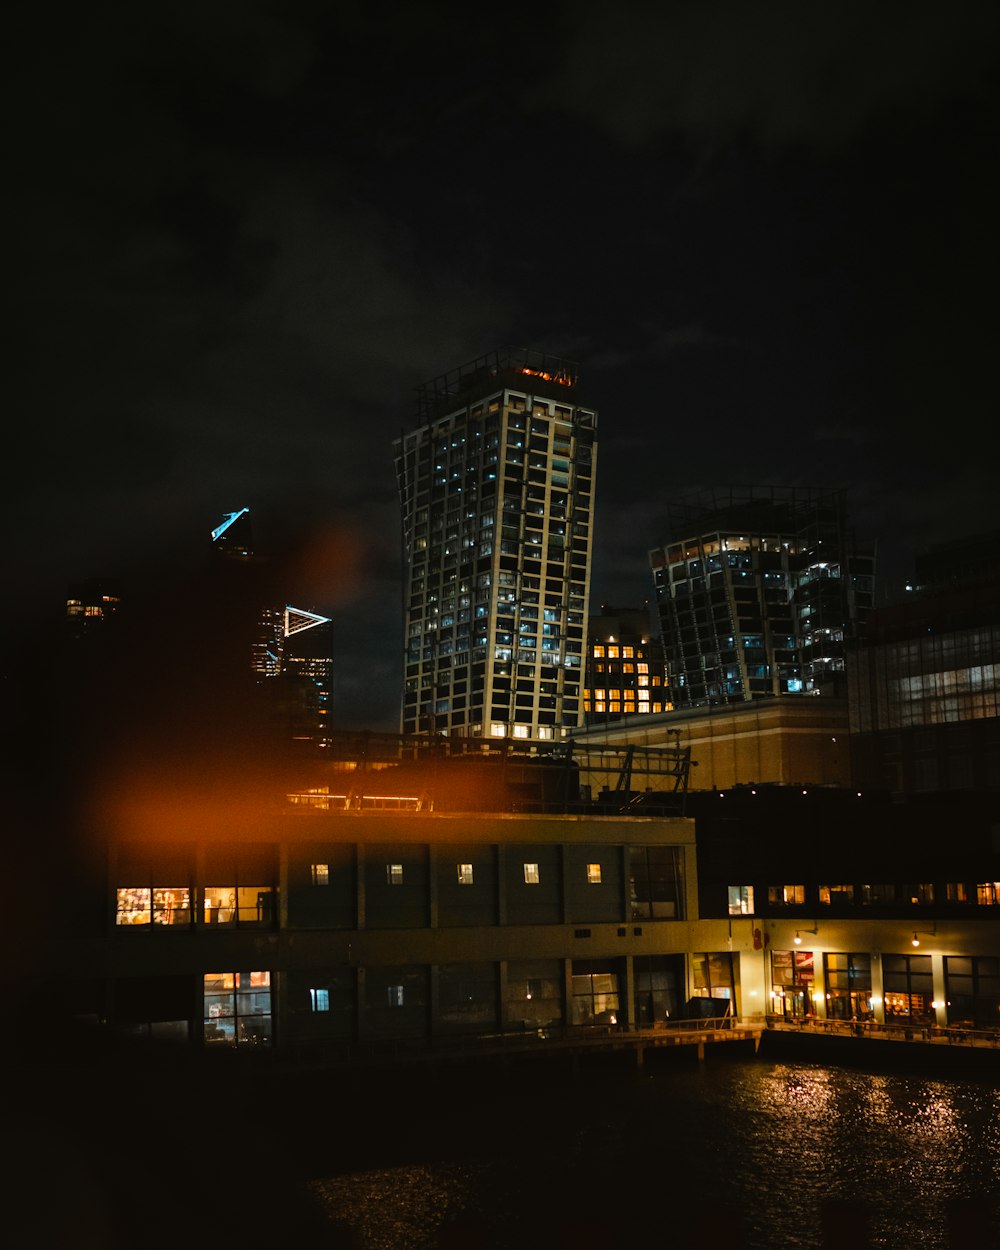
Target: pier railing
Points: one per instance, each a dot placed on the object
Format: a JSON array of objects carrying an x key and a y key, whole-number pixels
[{"x": 896, "y": 1031}]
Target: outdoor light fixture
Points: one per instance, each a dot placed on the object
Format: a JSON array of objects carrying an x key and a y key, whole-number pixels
[
  {"x": 931, "y": 932},
  {"x": 798, "y": 940}
]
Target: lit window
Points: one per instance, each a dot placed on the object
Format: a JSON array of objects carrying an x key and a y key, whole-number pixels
[
  {"x": 520, "y": 731},
  {"x": 395, "y": 995},
  {"x": 832, "y": 894},
  {"x": 628, "y": 652},
  {"x": 465, "y": 874},
  {"x": 237, "y": 1008},
  {"x": 594, "y": 874},
  {"x": 498, "y": 729},
  {"x": 531, "y": 874},
  {"x": 394, "y": 874},
  {"x": 741, "y": 900},
  {"x": 319, "y": 1000},
  {"x": 161, "y": 905},
  {"x": 786, "y": 895},
  {"x": 988, "y": 893},
  {"x": 599, "y": 653},
  {"x": 320, "y": 874},
  {"x": 134, "y": 906},
  {"x": 249, "y": 905},
  {"x": 955, "y": 892}
]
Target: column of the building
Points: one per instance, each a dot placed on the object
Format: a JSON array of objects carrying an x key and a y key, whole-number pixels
[
  {"x": 819, "y": 986},
  {"x": 939, "y": 991},
  {"x": 878, "y": 995}
]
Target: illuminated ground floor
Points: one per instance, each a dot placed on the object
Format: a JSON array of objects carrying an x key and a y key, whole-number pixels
[{"x": 254, "y": 994}]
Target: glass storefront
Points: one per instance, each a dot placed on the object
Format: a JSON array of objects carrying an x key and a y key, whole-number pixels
[
  {"x": 848, "y": 986},
  {"x": 534, "y": 994},
  {"x": 792, "y": 977},
  {"x": 908, "y": 990},
  {"x": 972, "y": 988},
  {"x": 595, "y": 992},
  {"x": 659, "y": 988}
]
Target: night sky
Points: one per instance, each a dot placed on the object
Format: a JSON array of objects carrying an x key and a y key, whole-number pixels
[{"x": 244, "y": 233}]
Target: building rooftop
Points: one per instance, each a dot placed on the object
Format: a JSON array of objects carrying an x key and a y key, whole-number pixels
[{"x": 545, "y": 374}]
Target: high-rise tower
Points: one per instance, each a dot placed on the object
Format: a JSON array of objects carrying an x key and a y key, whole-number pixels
[
  {"x": 291, "y": 648},
  {"x": 496, "y": 484},
  {"x": 759, "y": 591}
]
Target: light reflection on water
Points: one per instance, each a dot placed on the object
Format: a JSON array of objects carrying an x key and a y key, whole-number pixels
[{"x": 766, "y": 1150}]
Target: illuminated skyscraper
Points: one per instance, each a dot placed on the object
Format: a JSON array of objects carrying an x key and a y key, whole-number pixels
[
  {"x": 293, "y": 657},
  {"x": 496, "y": 484},
  {"x": 291, "y": 649},
  {"x": 760, "y": 590}
]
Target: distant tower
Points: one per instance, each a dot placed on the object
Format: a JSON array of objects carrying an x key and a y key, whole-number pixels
[
  {"x": 759, "y": 590},
  {"x": 298, "y": 670},
  {"x": 625, "y": 673},
  {"x": 292, "y": 656},
  {"x": 291, "y": 651},
  {"x": 496, "y": 485}
]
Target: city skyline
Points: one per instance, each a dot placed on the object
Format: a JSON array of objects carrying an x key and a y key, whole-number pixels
[{"x": 767, "y": 238}]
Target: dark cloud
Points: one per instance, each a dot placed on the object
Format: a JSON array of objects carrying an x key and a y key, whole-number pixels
[{"x": 780, "y": 73}]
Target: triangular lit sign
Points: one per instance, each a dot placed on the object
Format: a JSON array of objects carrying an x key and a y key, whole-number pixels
[{"x": 298, "y": 619}]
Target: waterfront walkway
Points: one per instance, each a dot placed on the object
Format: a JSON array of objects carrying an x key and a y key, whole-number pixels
[{"x": 896, "y": 1032}]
